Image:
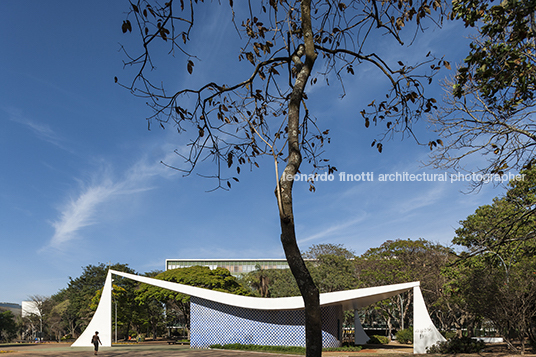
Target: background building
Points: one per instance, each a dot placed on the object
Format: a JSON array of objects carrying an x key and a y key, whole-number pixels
[
  {"x": 30, "y": 308},
  {"x": 235, "y": 266}
]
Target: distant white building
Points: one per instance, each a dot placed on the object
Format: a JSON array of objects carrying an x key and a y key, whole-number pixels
[
  {"x": 235, "y": 266},
  {"x": 30, "y": 308}
]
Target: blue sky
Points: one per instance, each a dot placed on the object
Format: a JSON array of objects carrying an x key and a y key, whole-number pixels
[{"x": 81, "y": 180}]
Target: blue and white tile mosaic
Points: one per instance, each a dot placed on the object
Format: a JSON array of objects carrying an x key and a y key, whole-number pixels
[{"x": 214, "y": 323}]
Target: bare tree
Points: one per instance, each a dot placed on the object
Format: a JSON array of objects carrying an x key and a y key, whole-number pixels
[
  {"x": 37, "y": 313},
  {"x": 489, "y": 105},
  {"x": 265, "y": 112},
  {"x": 469, "y": 125}
]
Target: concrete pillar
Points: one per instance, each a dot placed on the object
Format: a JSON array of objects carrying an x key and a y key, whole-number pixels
[
  {"x": 359, "y": 334},
  {"x": 101, "y": 321},
  {"x": 425, "y": 333}
]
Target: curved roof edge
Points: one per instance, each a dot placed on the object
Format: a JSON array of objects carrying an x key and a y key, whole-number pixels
[{"x": 349, "y": 299}]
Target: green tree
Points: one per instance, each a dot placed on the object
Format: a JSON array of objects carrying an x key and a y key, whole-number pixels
[
  {"x": 333, "y": 273},
  {"x": 8, "y": 326},
  {"x": 454, "y": 312},
  {"x": 259, "y": 280},
  {"x": 504, "y": 296},
  {"x": 82, "y": 290},
  {"x": 282, "y": 283},
  {"x": 69, "y": 318},
  {"x": 262, "y": 111},
  {"x": 55, "y": 320},
  {"x": 219, "y": 279},
  {"x": 507, "y": 222},
  {"x": 128, "y": 310},
  {"x": 501, "y": 61},
  {"x": 152, "y": 317},
  {"x": 317, "y": 250},
  {"x": 403, "y": 261},
  {"x": 331, "y": 267},
  {"x": 496, "y": 271}
]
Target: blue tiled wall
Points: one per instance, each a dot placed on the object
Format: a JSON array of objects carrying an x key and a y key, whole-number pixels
[{"x": 215, "y": 323}]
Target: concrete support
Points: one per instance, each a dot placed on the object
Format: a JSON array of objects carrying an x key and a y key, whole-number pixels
[
  {"x": 360, "y": 336},
  {"x": 101, "y": 321},
  {"x": 425, "y": 333}
]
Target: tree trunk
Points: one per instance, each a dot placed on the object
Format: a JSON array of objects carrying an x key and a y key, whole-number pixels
[
  {"x": 308, "y": 289},
  {"x": 389, "y": 327}
]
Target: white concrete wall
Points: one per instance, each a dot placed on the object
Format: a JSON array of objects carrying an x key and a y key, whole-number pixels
[
  {"x": 425, "y": 333},
  {"x": 101, "y": 321}
]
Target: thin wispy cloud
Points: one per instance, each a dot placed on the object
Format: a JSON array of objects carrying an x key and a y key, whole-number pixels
[
  {"x": 42, "y": 130},
  {"x": 79, "y": 213},
  {"x": 333, "y": 230},
  {"x": 83, "y": 209},
  {"x": 424, "y": 199}
]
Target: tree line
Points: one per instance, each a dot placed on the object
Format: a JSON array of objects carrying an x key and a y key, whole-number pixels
[{"x": 485, "y": 280}]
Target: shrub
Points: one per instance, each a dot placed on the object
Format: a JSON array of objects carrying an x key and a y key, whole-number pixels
[
  {"x": 280, "y": 349},
  {"x": 343, "y": 349},
  {"x": 378, "y": 340},
  {"x": 457, "y": 345},
  {"x": 449, "y": 335},
  {"x": 405, "y": 335}
]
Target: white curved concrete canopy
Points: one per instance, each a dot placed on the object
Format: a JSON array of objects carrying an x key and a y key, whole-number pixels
[
  {"x": 425, "y": 333},
  {"x": 349, "y": 299}
]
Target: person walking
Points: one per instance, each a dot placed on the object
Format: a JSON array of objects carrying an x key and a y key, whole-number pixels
[{"x": 95, "y": 341}]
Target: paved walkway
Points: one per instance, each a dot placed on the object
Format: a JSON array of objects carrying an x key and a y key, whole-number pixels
[
  {"x": 160, "y": 350},
  {"x": 117, "y": 350}
]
